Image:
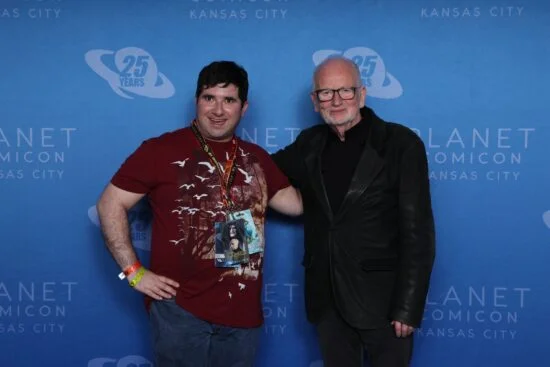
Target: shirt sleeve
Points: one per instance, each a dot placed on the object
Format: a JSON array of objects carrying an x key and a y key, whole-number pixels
[
  {"x": 289, "y": 161},
  {"x": 137, "y": 174}
]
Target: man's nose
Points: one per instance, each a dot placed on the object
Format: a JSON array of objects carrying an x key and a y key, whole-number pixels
[
  {"x": 336, "y": 99},
  {"x": 218, "y": 108}
]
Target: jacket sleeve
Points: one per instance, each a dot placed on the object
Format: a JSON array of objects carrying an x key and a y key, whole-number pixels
[
  {"x": 417, "y": 236},
  {"x": 290, "y": 162}
]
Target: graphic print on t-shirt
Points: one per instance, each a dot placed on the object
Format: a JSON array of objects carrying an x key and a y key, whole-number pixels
[{"x": 200, "y": 205}]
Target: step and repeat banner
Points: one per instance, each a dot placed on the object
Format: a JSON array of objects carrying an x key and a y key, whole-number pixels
[{"x": 83, "y": 83}]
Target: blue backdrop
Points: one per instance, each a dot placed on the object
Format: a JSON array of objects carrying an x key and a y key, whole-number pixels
[{"x": 82, "y": 83}]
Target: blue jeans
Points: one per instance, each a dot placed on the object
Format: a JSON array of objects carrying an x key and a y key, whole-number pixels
[{"x": 182, "y": 340}]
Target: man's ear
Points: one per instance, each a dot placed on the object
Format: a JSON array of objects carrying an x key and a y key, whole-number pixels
[
  {"x": 244, "y": 108},
  {"x": 363, "y": 96},
  {"x": 314, "y": 101}
]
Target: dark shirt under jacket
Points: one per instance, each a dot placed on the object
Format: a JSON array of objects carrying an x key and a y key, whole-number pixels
[{"x": 339, "y": 160}]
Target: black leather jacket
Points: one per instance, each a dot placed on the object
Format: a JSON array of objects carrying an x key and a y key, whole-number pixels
[{"x": 373, "y": 258}]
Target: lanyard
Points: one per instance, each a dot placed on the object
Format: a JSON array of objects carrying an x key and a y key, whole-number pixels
[{"x": 227, "y": 176}]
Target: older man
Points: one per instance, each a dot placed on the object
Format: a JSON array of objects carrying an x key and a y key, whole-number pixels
[{"x": 369, "y": 230}]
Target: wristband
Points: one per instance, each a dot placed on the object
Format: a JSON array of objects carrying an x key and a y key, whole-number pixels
[
  {"x": 138, "y": 277},
  {"x": 129, "y": 270}
]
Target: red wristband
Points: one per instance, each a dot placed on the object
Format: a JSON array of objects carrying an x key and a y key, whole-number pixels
[{"x": 129, "y": 270}]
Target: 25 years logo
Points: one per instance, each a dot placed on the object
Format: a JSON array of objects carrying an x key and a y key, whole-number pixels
[
  {"x": 130, "y": 71},
  {"x": 379, "y": 83}
]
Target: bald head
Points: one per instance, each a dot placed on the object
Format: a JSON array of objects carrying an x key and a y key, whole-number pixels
[
  {"x": 339, "y": 81},
  {"x": 337, "y": 65}
]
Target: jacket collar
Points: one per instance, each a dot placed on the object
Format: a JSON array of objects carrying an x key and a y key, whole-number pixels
[{"x": 369, "y": 166}]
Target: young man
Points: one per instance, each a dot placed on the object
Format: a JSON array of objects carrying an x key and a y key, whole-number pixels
[
  {"x": 204, "y": 310},
  {"x": 369, "y": 231}
]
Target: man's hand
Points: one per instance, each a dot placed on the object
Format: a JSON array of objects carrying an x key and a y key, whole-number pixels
[
  {"x": 156, "y": 286},
  {"x": 402, "y": 330}
]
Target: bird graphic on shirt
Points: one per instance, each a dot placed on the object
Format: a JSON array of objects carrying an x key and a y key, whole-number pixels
[
  {"x": 212, "y": 213},
  {"x": 219, "y": 205},
  {"x": 241, "y": 286},
  {"x": 181, "y": 163},
  {"x": 192, "y": 211},
  {"x": 180, "y": 209},
  {"x": 248, "y": 178},
  {"x": 198, "y": 197},
  {"x": 211, "y": 168},
  {"x": 201, "y": 178},
  {"x": 212, "y": 186},
  {"x": 243, "y": 154},
  {"x": 176, "y": 242},
  {"x": 187, "y": 186},
  {"x": 230, "y": 295}
]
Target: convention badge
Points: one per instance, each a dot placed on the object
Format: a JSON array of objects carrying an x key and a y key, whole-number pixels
[
  {"x": 252, "y": 237},
  {"x": 231, "y": 245}
]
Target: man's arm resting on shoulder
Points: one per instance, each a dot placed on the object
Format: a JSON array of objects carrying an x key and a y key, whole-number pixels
[
  {"x": 113, "y": 208},
  {"x": 417, "y": 242},
  {"x": 287, "y": 201},
  {"x": 289, "y": 161}
]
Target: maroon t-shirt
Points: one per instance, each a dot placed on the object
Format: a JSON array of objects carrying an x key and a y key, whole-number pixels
[{"x": 184, "y": 192}]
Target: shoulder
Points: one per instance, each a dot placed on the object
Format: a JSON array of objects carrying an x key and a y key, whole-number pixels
[
  {"x": 249, "y": 146},
  {"x": 306, "y": 134},
  {"x": 308, "y": 137},
  {"x": 402, "y": 136},
  {"x": 390, "y": 133},
  {"x": 253, "y": 153},
  {"x": 173, "y": 139}
]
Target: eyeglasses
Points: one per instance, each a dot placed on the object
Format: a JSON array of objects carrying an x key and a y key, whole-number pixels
[{"x": 325, "y": 95}]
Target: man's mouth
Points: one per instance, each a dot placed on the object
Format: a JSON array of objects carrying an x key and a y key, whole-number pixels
[{"x": 217, "y": 121}]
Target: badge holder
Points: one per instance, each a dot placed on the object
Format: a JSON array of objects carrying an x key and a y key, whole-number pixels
[
  {"x": 231, "y": 244},
  {"x": 251, "y": 233}
]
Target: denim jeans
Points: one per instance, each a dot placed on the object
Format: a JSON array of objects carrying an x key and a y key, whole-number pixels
[{"x": 182, "y": 340}]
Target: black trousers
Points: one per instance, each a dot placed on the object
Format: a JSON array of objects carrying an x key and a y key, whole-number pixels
[{"x": 344, "y": 346}]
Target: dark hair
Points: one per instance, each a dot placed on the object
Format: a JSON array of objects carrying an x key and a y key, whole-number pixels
[
  {"x": 223, "y": 72},
  {"x": 239, "y": 229}
]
